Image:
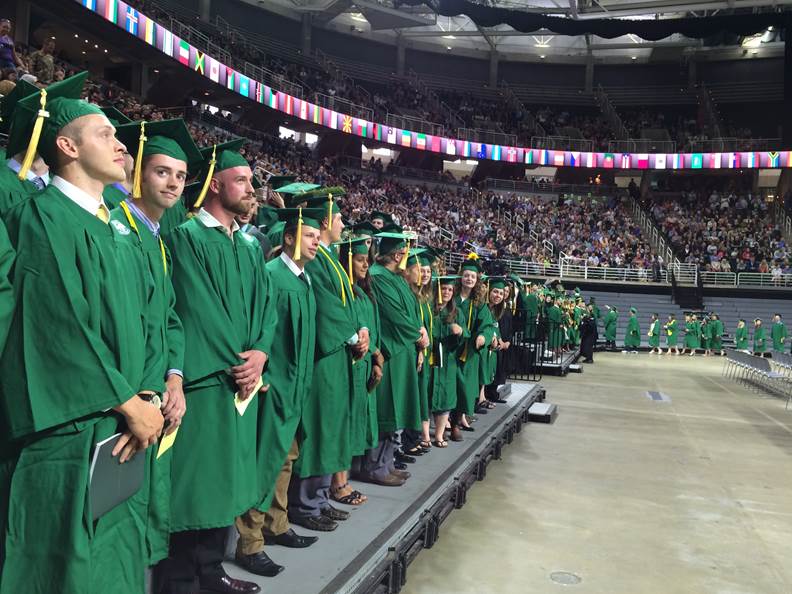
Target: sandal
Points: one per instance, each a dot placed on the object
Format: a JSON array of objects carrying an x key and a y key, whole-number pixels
[
  {"x": 415, "y": 451},
  {"x": 353, "y": 498},
  {"x": 425, "y": 444},
  {"x": 440, "y": 444}
]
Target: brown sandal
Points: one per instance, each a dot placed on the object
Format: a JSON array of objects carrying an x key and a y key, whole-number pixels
[
  {"x": 440, "y": 443},
  {"x": 353, "y": 498}
]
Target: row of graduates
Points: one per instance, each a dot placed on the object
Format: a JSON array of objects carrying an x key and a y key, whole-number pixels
[
  {"x": 759, "y": 342},
  {"x": 251, "y": 387}
]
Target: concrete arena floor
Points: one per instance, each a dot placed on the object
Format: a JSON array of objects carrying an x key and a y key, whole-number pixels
[{"x": 633, "y": 496}]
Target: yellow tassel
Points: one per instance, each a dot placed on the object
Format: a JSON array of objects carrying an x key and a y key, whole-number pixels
[
  {"x": 298, "y": 239},
  {"x": 137, "y": 191},
  {"x": 208, "y": 179},
  {"x": 349, "y": 260},
  {"x": 439, "y": 294},
  {"x": 405, "y": 257},
  {"x": 32, "y": 148},
  {"x": 329, "y": 211}
]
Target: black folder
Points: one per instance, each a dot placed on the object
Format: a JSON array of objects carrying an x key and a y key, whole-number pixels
[{"x": 112, "y": 483}]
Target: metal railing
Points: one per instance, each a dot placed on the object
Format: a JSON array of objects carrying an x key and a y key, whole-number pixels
[
  {"x": 654, "y": 235},
  {"x": 718, "y": 279},
  {"x": 562, "y": 143},
  {"x": 641, "y": 145},
  {"x": 763, "y": 279},
  {"x": 336, "y": 103},
  {"x": 513, "y": 101},
  {"x": 414, "y": 124},
  {"x": 511, "y": 185},
  {"x": 711, "y": 111},
  {"x": 487, "y": 136},
  {"x": 609, "y": 111}
]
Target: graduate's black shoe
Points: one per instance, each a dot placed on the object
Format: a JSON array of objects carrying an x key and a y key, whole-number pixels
[
  {"x": 225, "y": 584},
  {"x": 319, "y": 523},
  {"x": 501, "y": 401},
  {"x": 260, "y": 564},
  {"x": 400, "y": 466},
  {"x": 467, "y": 428},
  {"x": 335, "y": 514},
  {"x": 291, "y": 539},
  {"x": 404, "y": 458}
]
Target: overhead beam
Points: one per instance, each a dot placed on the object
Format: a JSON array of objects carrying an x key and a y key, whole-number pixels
[
  {"x": 486, "y": 36},
  {"x": 573, "y": 9}
]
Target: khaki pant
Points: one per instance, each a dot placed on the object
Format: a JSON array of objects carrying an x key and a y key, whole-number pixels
[{"x": 254, "y": 526}]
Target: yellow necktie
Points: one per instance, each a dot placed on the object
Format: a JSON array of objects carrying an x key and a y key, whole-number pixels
[{"x": 103, "y": 214}]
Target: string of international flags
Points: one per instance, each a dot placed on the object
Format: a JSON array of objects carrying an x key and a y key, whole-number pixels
[{"x": 138, "y": 24}]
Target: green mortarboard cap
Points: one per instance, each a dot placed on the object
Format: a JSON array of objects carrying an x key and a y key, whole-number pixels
[
  {"x": 295, "y": 190},
  {"x": 516, "y": 279},
  {"x": 226, "y": 155},
  {"x": 392, "y": 242},
  {"x": 391, "y": 228},
  {"x": 266, "y": 216},
  {"x": 633, "y": 310},
  {"x": 364, "y": 229},
  {"x": 116, "y": 116},
  {"x": 9, "y": 103},
  {"x": 497, "y": 282},
  {"x": 63, "y": 106},
  {"x": 358, "y": 244},
  {"x": 312, "y": 217},
  {"x": 323, "y": 192},
  {"x": 448, "y": 279},
  {"x": 278, "y": 181},
  {"x": 166, "y": 137},
  {"x": 275, "y": 233},
  {"x": 472, "y": 262},
  {"x": 418, "y": 256},
  {"x": 382, "y": 216}
]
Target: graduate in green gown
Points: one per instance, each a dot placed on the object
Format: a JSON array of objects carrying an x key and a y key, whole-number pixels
[
  {"x": 778, "y": 333},
  {"x": 472, "y": 300},
  {"x": 610, "y": 323},
  {"x": 74, "y": 279},
  {"x": 555, "y": 324},
  {"x": 13, "y": 188},
  {"x": 672, "y": 334},
  {"x": 704, "y": 333},
  {"x": 759, "y": 338},
  {"x": 595, "y": 310},
  {"x": 325, "y": 442},
  {"x": 366, "y": 373},
  {"x": 741, "y": 336},
  {"x": 632, "y": 338},
  {"x": 452, "y": 335},
  {"x": 166, "y": 157},
  {"x": 715, "y": 327},
  {"x": 224, "y": 299},
  {"x": 289, "y": 376},
  {"x": 531, "y": 304},
  {"x": 692, "y": 338},
  {"x": 402, "y": 341},
  {"x": 654, "y": 334}
]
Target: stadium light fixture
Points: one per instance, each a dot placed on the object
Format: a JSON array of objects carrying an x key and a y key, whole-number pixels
[
  {"x": 633, "y": 57},
  {"x": 542, "y": 56},
  {"x": 449, "y": 37}
]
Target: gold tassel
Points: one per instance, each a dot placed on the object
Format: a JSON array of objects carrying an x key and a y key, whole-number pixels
[
  {"x": 329, "y": 211},
  {"x": 298, "y": 239},
  {"x": 349, "y": 260},
  {"x": 32, "y": 148},
  {"x": 439, "y": 294},
  {"x": 405, "y": 257},
  {"x": 137, "y": 190},
  {"x": 209, "y": 175}
]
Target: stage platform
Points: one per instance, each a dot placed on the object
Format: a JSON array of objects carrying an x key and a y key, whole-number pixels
[
  {"x": 561, "y": 366},
  {"x": 370, "y": 552}
]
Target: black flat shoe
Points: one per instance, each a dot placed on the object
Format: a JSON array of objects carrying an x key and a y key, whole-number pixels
[
  {"x": 259, "y": 564},
  {"x": 404, "y": 458},
  {"x": 335, "y": 514},
  {"x": 291, "y": 540},
  {"x": 400, "y": 466},
  {"x": 319, "y": 523},
  {"x": 467, "y": 428},
  {"x": 224, "y": 584}
]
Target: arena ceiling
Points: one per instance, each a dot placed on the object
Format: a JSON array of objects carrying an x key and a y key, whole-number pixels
[{"x": 422, "y": 28}]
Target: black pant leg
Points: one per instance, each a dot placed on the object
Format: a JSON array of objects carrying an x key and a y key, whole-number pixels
[{"x": 210, "y": 552}]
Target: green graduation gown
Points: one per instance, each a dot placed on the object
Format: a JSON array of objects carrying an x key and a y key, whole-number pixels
[
  {"x": 425, "y": 375},
  {"x": 398, "y": 399},
  {"x": 611, "y": 319},
  {"x": 577, "y": 317},
  {"x": 325, "y": 444},
  {"x": 555, "y": 330},
  {"x": 741, "y": 338},
  {"x": 704, "y": 333},
  {"x": 672, "y": 333},
  {"x": 654, "y": 334},
  {"x": 531, "y": 304},
  {"x": 12, "y": 189},
  {"x": 632, "y": 340},
  {"x": 479, "y": 322},
  {"x": 76, "y": 279},
  {"x": 778, "y": 333},
  {"x": 692, "y": 335},
  {"x": 114, "y": 194},
  {"x": 169, "y": 343},
  {"x": 716, "y": 334},
  {"x": 759, "y": 340},
  {"x": 365, "y": 426},
  {"x": 448, "y": 347},
  {"x": 489, "y": 357},
  {"x": 6, "y": 291},
  {"x": 173, "y": 217},
  {"x": 288, "y": 374},
  {"x": 224, "y": 300}
]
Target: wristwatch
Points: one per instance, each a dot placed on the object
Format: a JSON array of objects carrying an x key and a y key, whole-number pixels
[{"x": 155, "y": 398}]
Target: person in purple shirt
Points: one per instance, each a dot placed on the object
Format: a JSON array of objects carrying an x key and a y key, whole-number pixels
[{"x": 8, "y": 55}]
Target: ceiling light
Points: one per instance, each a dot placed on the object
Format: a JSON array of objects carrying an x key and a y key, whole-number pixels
[
  {"x": 83, "y": 52},
  {"x": 86, "y": 41},
  {"x": 448, "y": 47},
  {"x": 633, "y": 57},
  {"x": 156, "y": 71},
  {"x": 105, "y": 51},
  {"x": 96, "y": 46},
  {"x": 52, "y": 37},
  {"x": 542, "y": 56},
  {"x": 76, "y": 36},
  {"x": 449, "y": 37},
  {"x": 754, "y": 52},
  {"x": 206, "y": 93}
]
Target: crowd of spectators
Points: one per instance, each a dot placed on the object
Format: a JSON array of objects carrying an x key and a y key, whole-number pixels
[{"x": 723, "y": 231}]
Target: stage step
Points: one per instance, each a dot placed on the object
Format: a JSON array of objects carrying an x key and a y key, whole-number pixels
[{"x": 542, "y": 412}]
